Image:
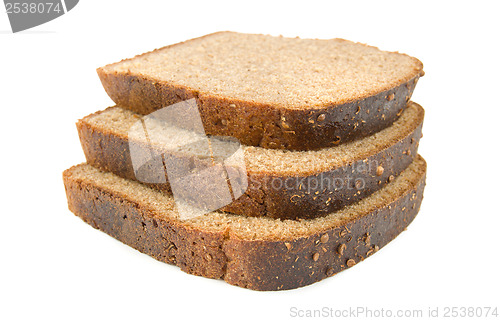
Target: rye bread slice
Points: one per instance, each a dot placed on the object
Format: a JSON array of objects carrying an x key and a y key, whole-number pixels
[
  {"x": 272, "y": 92},
  {"x": 281, "y": 184},
  {"x": 255, "y": 253}
]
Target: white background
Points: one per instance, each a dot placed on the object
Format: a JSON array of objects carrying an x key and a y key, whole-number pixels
[{"x": 55, "y": 267}]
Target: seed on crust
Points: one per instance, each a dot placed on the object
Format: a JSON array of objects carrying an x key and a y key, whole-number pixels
[
  {"x": 368, "y": 239},
  {"x": 284, "y": 124},
  {"x": 321, "y": 117},
  {"x": 288, "y": 245},
  {"x": 329, "y": 271},
  {"x": 172, "y": 250},
  {"x": 390, "y": 179},
  {"x": 315, "y": 256},
  {"x": 351, "y": 263},
  {"x": 336, "y": 141},
  {"x": 324, "y": 238},
  {"x": 341, "y": 249},
  {"x": 390, "y": 97},
  {"x": 380, "y": 170}
]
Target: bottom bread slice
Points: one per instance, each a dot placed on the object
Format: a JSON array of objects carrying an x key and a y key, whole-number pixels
[{"x": 252, "y": 252}]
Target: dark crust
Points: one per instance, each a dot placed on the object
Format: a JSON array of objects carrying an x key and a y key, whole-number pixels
[
  {"x": 265, "y": 265},
  {"x": 265, "y": 125},
  {"x": 270, "y": 195}
]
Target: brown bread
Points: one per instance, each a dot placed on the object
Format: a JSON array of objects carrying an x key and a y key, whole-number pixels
[
  {"x": 272, "y": 92},
  {"x": 255, "y": 253},
  {"x": 282, "y": 184}
]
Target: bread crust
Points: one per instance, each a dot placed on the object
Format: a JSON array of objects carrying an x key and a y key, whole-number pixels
[
  {"x": 268, "y": 194},
  {"x": 256, "y": 123},
  {"x": 265, "y": 265}
]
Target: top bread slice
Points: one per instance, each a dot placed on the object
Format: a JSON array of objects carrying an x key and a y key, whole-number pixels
[{"x": 272, "y": 92}]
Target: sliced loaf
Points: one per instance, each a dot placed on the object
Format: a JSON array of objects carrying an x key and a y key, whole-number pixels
[
  {"x": 281, "y": 184},
  {"x": 255, "y": 253},
  {"x": 272, "y": 92}
]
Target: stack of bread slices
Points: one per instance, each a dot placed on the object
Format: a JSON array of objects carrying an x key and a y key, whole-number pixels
[{"x": 329, "y": 139}]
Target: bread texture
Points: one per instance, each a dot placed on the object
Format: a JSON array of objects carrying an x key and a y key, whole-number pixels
[
  {"x": 272, "y": 92},
  {"x": 256, "y": 253},
  {"x": 281, "y": 184}
]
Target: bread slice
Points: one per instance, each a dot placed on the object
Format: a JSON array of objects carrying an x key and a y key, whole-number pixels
[
  {"x": 281, "y": 184},
  {"x": 272, "y": 92},
  {"x": 254, "y": 253}
]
